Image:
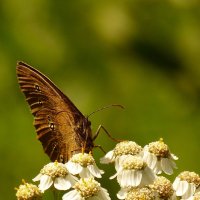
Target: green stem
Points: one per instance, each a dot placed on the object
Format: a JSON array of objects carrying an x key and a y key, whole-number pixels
[{"x": 55, "y": 194}]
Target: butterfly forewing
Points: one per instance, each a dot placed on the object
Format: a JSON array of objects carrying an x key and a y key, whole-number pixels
[{"x": 59, "y": 124}]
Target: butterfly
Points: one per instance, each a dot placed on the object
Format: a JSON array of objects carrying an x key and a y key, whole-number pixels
[{"x": 60, "y": 126}]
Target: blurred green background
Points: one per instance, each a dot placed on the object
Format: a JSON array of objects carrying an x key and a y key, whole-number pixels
[{"x": 142, "y": 54}]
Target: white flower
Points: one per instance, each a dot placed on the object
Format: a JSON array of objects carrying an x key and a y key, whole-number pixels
[
  {"x": 186, "y": 184},
  {"x": 159, "y": 158},
  {"x": 138, "y": 193},
  {"x": 196, "y": 196},
  {"x": 55, "y": 174},
  {"x": 84, "y": 165},
  {"x": 28, "y": 191},
  {"x": 163, "y": 187},
  {"x": 123, "y": 192},
  {"x": 87, "y": 188},
  {"x": 133, "y": 172},
  {"x": 121, "y": 149},
  {"x": 108, "y": 158}
]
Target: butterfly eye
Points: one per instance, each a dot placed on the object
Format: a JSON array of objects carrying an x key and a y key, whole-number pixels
[
  {"x": 37, "y": 87},
  {"x": 49, "y": 118}
]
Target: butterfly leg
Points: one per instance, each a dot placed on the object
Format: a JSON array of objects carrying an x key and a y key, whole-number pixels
[
  {"x": 105, "y": 131},
  {"x": 100, "y": 147}
]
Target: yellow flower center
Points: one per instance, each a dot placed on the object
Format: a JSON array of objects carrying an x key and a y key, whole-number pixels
[
  {"x": 163, "y": 187},
  {"x": 140, "y": 194},
  {"x": 87, "y": 187},
  {"x": 54, "y": 170},
  {"x": 83, "y": 159},
  {"x": 190, "y": 177},
  {"x": 134, "y": 163},
  {"x": 127, "y": 147},
  {"x": 159, "y": 148},
  {"x": 28, "y": 191}
]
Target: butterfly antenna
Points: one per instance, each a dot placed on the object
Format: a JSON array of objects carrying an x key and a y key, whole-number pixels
[{"x": 105, "y": 107}]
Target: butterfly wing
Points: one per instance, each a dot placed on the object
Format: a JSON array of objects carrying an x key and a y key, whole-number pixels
[{"x": 58, "y": 123}]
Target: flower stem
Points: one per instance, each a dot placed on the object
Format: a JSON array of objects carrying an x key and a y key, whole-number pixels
[{"x": 55, "y": 194}]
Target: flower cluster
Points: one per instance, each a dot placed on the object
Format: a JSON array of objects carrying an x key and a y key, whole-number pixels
[
  {"x": 137, "y": 170},
  {"x": 77, "y": 175},
  {"x": 187, "y": 185},
  {"x": 138, "y": 173}
]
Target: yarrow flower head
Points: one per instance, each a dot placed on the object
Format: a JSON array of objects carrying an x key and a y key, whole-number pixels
[
  {"x": 186, "y": 183},
  {"x": 164, "y": 188},
  {"x": 84, "y": 165},
  {"x": 28, "y": 191},
  {"x": 137, "y": 193},
  {"x": 55, "y": 174},
  {"x": 121, "y": 149},
  {"x": 158, "y": 157},
  {"x": 87, "y": 188},
  {"x": 133, "y": 172}
]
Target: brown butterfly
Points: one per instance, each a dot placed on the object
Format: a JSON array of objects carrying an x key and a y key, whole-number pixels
[{"x": 61, "y": 127}]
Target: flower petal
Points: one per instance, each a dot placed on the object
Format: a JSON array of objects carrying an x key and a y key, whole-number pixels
[
  {"x": 95, "y": 171},
  {"x": 72, "y": 195},
  {"x": 129, "y": 178},
  {"x": 85, "y": 173},
  {"x": 157, "y": 169},
  {"x": 103, "y": 194},
  {"x": 116, "y": 174},
  {"x": 173, "y": 164},
  {"x": 108, "y": 158},
  {"x": 117, "y": 164},
  {"x": 62, "y": 183},
  {"x": 150, "y": 159},
  {"x": 174, "y": 157},
  {"x": 122, "y": 193},
  {"x": 122, "y": 178},
  {"x": 37, "y": 178},
  {"x": 176, "y": 183},
  {"x": 73, "y": 168},
  {"x": 148, "y": 176},
  {"x": 181, "y": 188},
  {"x": 113, "y": 176},
  {"x": 136, "y": 177},
  {"x": 166, "y": 166},
  {"x": 190, "y": 191},
  {"x": 45, "y": 182}
]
